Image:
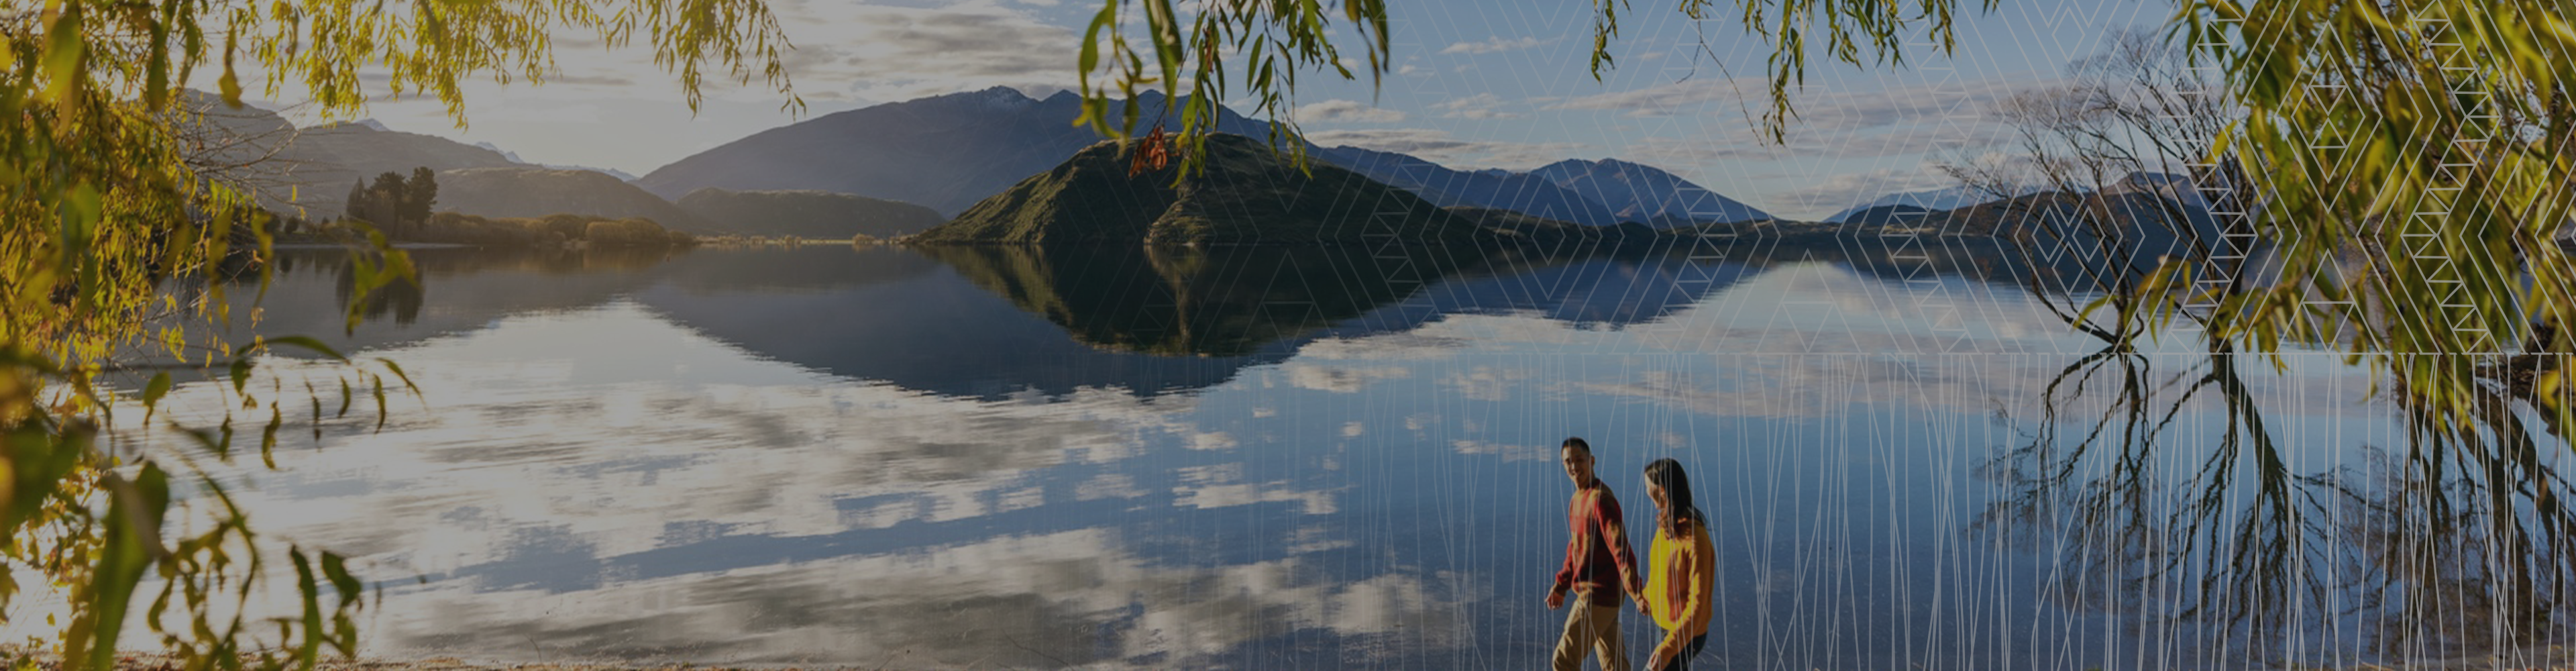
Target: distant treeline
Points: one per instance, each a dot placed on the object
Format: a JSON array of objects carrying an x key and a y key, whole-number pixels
[
  {"x": 549, "y": 231},
  {"x": 400, "y": 208}
]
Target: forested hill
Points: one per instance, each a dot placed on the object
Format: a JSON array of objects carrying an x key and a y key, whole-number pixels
[
  {"x": 943, "y": 152},
  {"x": 1248, "y": 194}
]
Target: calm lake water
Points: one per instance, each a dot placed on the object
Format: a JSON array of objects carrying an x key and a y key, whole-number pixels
[{"x": 1313, "y": 459}]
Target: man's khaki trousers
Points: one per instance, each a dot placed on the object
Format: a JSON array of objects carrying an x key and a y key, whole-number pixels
[{"x": 1588, "y": 625}]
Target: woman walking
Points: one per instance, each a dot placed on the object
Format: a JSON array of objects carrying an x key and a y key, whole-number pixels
[{"x": 1682, "y": 569}]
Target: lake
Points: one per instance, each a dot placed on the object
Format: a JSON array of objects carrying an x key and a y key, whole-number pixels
[{"x": 1318, "y": 458}]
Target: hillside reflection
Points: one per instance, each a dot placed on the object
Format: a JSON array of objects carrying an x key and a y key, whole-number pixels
[{"x": 1024, "y": 319}]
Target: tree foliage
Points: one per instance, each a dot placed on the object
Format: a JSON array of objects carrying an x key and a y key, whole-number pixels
[
  {"x": 100, "y": 207},
  {"x": 2411, "y": 164},
  {"x": 395, "y": 204}
]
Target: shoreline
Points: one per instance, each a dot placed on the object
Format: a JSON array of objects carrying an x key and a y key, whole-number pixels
[
  {"x": 397, "y": 245},
  {"x": 2552, "y": 658}
]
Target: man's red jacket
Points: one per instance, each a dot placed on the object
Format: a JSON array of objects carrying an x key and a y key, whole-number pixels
[{"x": 1597, "y": 560}]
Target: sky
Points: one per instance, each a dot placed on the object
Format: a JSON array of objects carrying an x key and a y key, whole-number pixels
[{"x": 1476, "y": 84}]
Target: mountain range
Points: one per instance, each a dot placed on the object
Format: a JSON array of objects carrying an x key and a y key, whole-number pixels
[
  {"x": 942, "y": 152},
  {"x": 860, "y": 171},
  {"x": 308, "y": 172},
  {"x": 948, "y": 152},
  {"x": 808, "y": 214},
  {"x": 1936, "y": 199},
  {"x": 2180, "y": 188}
]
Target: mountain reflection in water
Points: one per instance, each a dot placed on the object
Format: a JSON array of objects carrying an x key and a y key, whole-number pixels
[{"x": 1309, "y": 458}]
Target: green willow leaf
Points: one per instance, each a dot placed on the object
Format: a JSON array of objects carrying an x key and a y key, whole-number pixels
[
  {"x": 154, "y": 390},
  {"x": 134, "y": 515}
]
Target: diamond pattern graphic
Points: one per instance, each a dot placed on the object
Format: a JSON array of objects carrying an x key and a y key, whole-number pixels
[{"x": 1980, "y": 366}]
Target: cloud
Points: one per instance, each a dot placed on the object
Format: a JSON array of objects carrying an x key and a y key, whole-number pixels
[
  {"x": 589, "y": 80},
  {"x": 1484, "y": 383},
  {"x": 1383, "y": 347},
  {"x": 1508, "y": 453},
  {"x": 1437, "y": 146},
  {"x": 1341, "y": 380},
  {"x": 1901, "y": 122},
  {"x": 1214, "y": 440},
  {"x": 1666, "y": 99},
  {"x": 1497, "y": 44},
  {"x": 878, "y": 52},
  {"x": 1819, "y": 110},
  {"x": 1083, "y": 597},
  {"x": 1479, "y": 106},
  {"x": 1346, "y": 111},
  {"x": 900, "y": 53}
]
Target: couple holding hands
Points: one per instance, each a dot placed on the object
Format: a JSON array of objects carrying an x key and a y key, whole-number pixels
[{"x": 1599, "y": 569}]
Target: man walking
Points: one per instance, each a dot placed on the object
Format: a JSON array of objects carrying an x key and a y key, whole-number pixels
[{"x": 1598, "y": 567}]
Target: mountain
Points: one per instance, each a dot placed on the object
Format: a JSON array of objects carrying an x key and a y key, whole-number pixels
[
  {"x": 1885, "y": 214},
  {"x": 364, "y": 152},
  {"x": 1491, "y": 189},
  {"x": 2084, "y": 239},
  {"x": 514, "y": 158},
  {"x": 808, "y": 214},
  {"x": 308, "y": 171},
  {"x": 1951, "y": 198},
  {"x": 949, "y": 152},
  {"x": 944, "y": 152},
  {"x": 528, "y": 191},
  {"x": 2180, "y": 188},
  {"x": 1642, "y": 193},
  {"x": 1592, "y": 193},
  {"x": 1246, "y": 194}
]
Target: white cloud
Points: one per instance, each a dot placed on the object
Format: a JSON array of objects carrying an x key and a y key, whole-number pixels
[
  {"x": 1479, "y": 106},
  {"x": 1083, "y": 597},
  {"x": 1506, "y": 452},
  {"x": 900, "y": 53},
  {"x": 1214, "y": 440},
  {"x": 1819, "y": 110},
  {"x": 1341, "y": 380},
  {"x": 1497, "y": 44},
  {"x": 1666, "y": 99},
  {"x": 1484, "y": 383},
  {"x": 1383, "y": 347},
  {"x": 1346, "y": 111}
]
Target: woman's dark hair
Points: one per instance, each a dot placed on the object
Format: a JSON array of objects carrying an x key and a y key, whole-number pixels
[{"x": 1678, "y": 503}]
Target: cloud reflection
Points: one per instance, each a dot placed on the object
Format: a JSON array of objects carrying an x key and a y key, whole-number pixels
[{"x": 1036, "y": 601}]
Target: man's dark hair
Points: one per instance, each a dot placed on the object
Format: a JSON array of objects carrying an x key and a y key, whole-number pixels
[{"x": 1577, "y": 443}]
